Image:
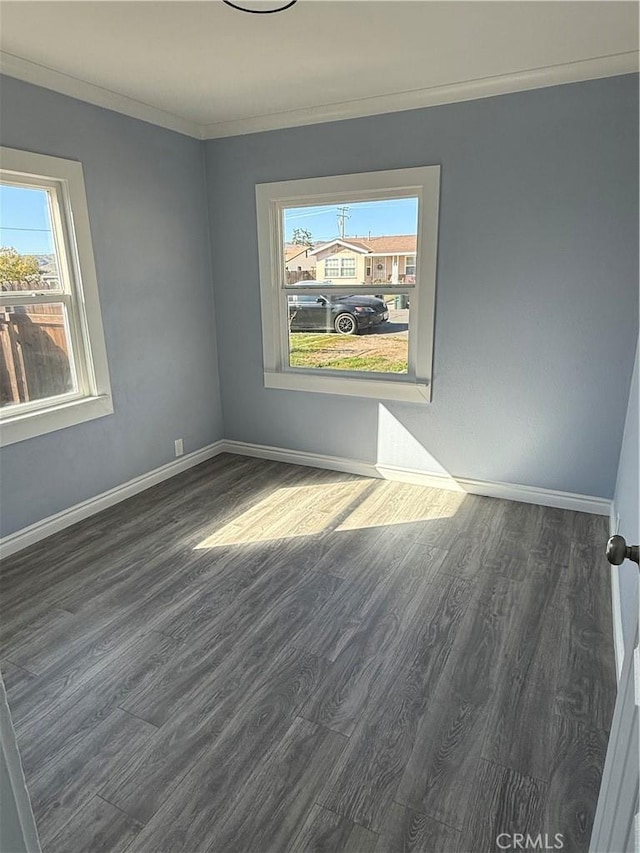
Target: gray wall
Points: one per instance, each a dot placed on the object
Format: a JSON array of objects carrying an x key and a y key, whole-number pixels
[
  {"x": 146, "y": 196},
  {"x": 627, "y": 507},
  {"x": 536, "y": 308},
  {"x": 537, "y": 299}
]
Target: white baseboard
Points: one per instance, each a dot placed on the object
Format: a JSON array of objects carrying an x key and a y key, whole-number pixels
[
  {"x": 54, "y": 523},
  {"x": 508, "y": 491},
  {"x": 298, "y": 457}
]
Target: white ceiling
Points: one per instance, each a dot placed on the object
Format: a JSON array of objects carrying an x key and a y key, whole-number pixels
[{"x": 206, "y": 69}]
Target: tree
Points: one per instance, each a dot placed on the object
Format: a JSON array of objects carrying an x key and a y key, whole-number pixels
[
  {"x": 18, "y": 272},
  {"x": 302, "y": 237}
]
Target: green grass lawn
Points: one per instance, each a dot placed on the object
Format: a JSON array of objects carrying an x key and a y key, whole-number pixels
[{"x": 340, "y": 352}]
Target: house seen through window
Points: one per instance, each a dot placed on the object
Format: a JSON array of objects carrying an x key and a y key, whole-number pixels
[{"x": 355, "y": 245}]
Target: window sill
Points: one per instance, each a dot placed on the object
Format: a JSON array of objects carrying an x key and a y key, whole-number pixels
[
  {"x": 377, "y": 389},
  {"x": 31, "y": 424}
]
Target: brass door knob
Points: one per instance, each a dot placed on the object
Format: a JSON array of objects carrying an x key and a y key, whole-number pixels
[{"x": 618, "y": 551}]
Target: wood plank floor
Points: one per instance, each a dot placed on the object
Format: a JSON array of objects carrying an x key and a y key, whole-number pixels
[{"x": 263, "y": 658}]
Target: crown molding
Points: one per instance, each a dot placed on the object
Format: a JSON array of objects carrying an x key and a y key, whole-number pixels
[
  {"x": 40, "y": 75},
  {"x": 468, "y": 90}
]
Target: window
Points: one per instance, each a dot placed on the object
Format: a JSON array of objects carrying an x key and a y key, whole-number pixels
[
  {"x": 53, "y": 367},
  {"x": 354, "y": 338},
  {"x": 410, "y": 265},
  {"x": 340, "y": 268}
]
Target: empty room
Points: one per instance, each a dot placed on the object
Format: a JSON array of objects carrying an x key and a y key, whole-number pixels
[{"x": 319, "y": 432}]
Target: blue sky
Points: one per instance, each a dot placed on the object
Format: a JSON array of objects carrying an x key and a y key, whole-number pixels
[
  {"x": 395, "y": 216},
  {"x": 24, "y": 220}
]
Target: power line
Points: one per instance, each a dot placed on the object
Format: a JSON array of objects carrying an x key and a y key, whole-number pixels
[{"x": 40, "y": 230}]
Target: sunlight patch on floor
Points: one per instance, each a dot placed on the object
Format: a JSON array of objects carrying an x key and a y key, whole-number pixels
[
  {"x": 402, "y": 503},
  {"x": 289, "y": 512},
  {"x": 310, "y": 510}
]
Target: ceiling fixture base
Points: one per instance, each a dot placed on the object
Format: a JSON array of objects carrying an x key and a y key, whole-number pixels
[{"x": 240, "y": 8}]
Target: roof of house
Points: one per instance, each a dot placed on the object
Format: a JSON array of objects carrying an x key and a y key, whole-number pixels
[
  {"x": 299, "y": 257},
  {"x": 396, "y": 244},
  {"x": 292, "y": 252},
  {"x": 347, "y": 242},
  {"x": 393, "y": 245},
  {"x": 354, "y": 241}
]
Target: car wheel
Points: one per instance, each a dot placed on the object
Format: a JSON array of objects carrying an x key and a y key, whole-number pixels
[{"x": 345, "y": 324}]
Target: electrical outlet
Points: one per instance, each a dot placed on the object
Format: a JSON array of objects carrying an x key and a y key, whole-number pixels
[{"x": 179, "y": 446}]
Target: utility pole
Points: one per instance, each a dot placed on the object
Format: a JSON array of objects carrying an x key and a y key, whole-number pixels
[{"x": 343, "y": 215}]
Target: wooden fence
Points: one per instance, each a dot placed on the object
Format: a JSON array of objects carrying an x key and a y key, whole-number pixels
[
  {"x": 294, "y": 276},
  {"x": 34, "y": 354}
]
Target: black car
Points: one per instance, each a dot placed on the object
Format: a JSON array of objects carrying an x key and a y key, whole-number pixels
[{"x": 346, "y": 315}]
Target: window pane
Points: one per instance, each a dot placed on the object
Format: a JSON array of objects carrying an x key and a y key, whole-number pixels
[
  {"x": 366, "y": 242},
  {"x": 35, "y": 353},
  {"x": 364, "y": 333},
  {"x": 28, "y": 258},
  {"x": 410, "y": 269}
]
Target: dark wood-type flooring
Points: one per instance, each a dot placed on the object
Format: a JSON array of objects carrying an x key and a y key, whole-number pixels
[{"x": 260, "y": 657}]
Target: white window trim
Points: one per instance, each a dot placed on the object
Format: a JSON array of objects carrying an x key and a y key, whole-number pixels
[
  {"x": 95, "y": 400},
  {"x": 271, "y": 198}
]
